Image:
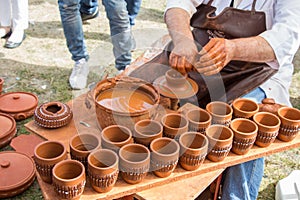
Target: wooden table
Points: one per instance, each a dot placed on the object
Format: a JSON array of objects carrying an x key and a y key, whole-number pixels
[{"x": 193, "y": 182}]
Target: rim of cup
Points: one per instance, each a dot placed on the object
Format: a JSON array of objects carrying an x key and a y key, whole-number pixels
[
  {"x": 221, "y": 127},
  {"x": 219, "y": 103},
  {"x": 84, "y": 135},
  {"x": 273, "y": 125},
  {"x": 247, "y": 100},
  {"x": 183, "y": 120},
  {"x": 207, "y": 115},
  {"x": 46, "y": 143},
  {"x": 124, "y": 148},
  {"x": 243, "y": 120},
  {"x": 148, "y": 122},
  {"x": 170, "y": 142},
  {"x": 196, "y": 134},
  {"x": 105, "y": 152},
  {"x": 68, "y": 162},
  {"x": 290, "y": 117},
  {"x": 126, "y": 131}
]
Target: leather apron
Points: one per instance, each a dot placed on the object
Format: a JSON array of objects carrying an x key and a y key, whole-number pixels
[{"x": 236, "y": 78}]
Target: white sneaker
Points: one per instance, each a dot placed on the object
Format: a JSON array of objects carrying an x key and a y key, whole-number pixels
[{"x": 80, "y": 72}]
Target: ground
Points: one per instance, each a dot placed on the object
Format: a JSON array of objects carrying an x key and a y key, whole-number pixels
[{"x": 42, "y": 65}]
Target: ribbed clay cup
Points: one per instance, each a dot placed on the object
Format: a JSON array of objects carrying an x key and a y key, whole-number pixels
[
  {"x": 268, "y": 127},
  {"x": 221, "y": 112},
  {"x": 244, "y": 108},
  {"x": 193, "y": 150},
  {"x": 290, "y": 123},
  {"x": 174, "y": 125},
  {"x": 82, "y": 145},
  {"x": 245, "y": 132},
  {"x": 1, "y": 84},
  {"x": 103, "y": 169},
  {"x": 115, "y": 136},
  {"x": 147, "y": 130},
  {"x": 164, "y": 156},
  {"x": 46, "y": 155},
  {"x": 199, "y": 120},
  {"x": 134, "y": 162},
  {"x": 69, "y": 179},
  {"x": 220, "y": 140}
]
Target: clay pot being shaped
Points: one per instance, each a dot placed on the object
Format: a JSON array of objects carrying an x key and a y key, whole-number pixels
[
  {"x": 46, "y": 155},
  {"x": 69, "y": 179},
  {"x": 115, "y": 136},
  {"x": 193, "y": 150},
  {"x": 290, "y": 123},
  {"x": 220, "y": 140},
  {"x": 199, "y": 120},
  {"x": 269, "y": 105},
  {"x": 174, "y": 124},
  {"x": 103, "y": 169},
  {"x": 8, "y": 129},
  {"x": 268, "y": 127},
  {"x": 1, "y": 84},
  {"x": 134, "y": 162},
  {"x": 221, "y": 112},
  {"x": 53, "y": 115},
  {"x": 20, "y": 105},
  {"x": 244, "y": 108},
  {"x": 245, "y": 132},
  {"x": 147, "y": 130},
  {"x": 124, "y": 101},
  {"x": 82, "y": 145},
  {"x": 164, "y": 156}
]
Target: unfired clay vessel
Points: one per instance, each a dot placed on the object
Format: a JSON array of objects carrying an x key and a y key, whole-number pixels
[
  {"x": 199, "y": 120},
  {"x": 103, "y": 169},
  {"x": 290, "y": 123},
  {"x": 221, "y": 112},
  {"x": 193, "y": 150},
  {"x": 174, "y": 124},
  {"x": 244, "y": 108},
  {"x": 147, "y": 130}
]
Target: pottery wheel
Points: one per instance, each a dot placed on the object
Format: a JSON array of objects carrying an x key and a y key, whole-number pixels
[{"x": 188, "y": 89}]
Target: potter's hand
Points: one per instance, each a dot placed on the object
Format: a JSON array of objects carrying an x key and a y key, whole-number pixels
[
  {"x": 214, "y": 56},
  {"x": 182, "y": 56}
]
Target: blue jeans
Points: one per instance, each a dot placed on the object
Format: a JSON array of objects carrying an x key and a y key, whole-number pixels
[
  {"x": 242, "y": 181},
  {"x": 72, "y": 25},
  {"x": 121, "y": 15}
]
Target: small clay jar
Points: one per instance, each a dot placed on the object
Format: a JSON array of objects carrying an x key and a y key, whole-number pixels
[
  {"x": 245, "y": 132},
  {"x": 244, "y": 108},
  {"x": 175, "y": 79},
  {"x": 82, "y": 145},
  {"x": 220, "y": 140},
  {"x": 69, "y": 179},
  {"x": 53, "y": 115},
  {"x": 221, "y": 112},
  {"x": 134, "y": 162},
  {"x": 46, "y": 155},
  {"x": 268, "y": 127},
  {"x": 103, "y": 169},
  {"x": 193, "y": 150},
  {"x": 164, "y": 156},
  {"x": 199, "y": 120},
  {"x": 174, "y": 124},
  {"x": 290, "y": 123},
  {"x": 269, "y": 105},
  {"x": 147, "y": 130},
  {"x": 1, "y": 84},
  {"x": 115, "y": 136}
]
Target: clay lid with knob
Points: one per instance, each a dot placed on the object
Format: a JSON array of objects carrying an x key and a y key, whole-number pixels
[
  {"x": 269, "y": 105},
  {"x": 17, "y": 172},
  {"x": 20, "y": 105},
  {"x": 7, "y": 129}
]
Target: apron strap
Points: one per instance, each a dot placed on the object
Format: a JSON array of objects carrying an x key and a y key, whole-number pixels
[
  {"x": 210, "y": 2},
  {"x": 253, "y": 6}
]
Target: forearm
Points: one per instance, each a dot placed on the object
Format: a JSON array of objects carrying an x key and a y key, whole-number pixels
[{"x": 253, "y": 49}]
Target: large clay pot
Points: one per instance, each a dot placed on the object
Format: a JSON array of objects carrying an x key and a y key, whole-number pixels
[
  {"x": 82, "y": 145},
  {"x": 174, "y": 125},
  {"x": 8, "y": 129},
  {"x": 103, "y": 169},
  {"x": 244, "y": 108},
  {"x": 199, "y": 120},
  {"x": 221, "y": 112},
  {"x": 193, "y": 150},
  {"x": 245, "y": 132},
  {"x": 1, "y": 84},
  {"x": 268, "y": 127},
  {"x": 124, "y": 101},
  {"x": 134, "y": 162},
  {"x": 46, "y": 155},
  {"x": 69, "y": 179},
  {"x": 164, "y": 156},
  {"x": 290, "y": 123},
  {"x": 146, "y": 131}
]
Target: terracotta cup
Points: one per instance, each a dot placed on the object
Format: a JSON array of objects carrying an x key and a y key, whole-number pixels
[
  {"x": 69, "y": 179},
  {"x": 134, "y": 162},
  {"x": 103, "y": 169},
  {"x": 244, "y": 108},
  {"x": 268, "y": 127},
  {"x": 221, "y": 112},
  {"x": 245, "y": 132},
  {"x": 174, "y": 125},
  {"x": 220, "y": 140},
  {"x": 290, "y": 123},
  {"x": 147, "y": 130},
  {"x": 164, "y": 156},
  {"x": 1, "y": 84},
  {"x": 115, "y": 136},
  {"x": 199, "y": 120},
  {"x": 46, "y": 155},
  {"x": 82, "y": 145},
  {"x": 193, "y": 150}
]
